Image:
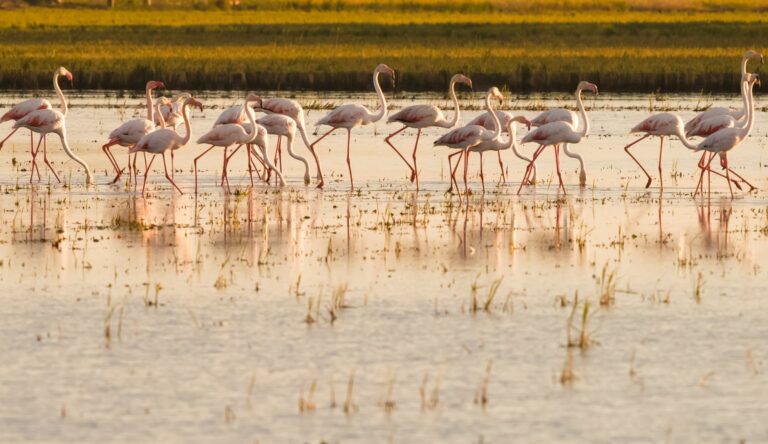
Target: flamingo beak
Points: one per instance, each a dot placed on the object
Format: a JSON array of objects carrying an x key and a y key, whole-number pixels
[{"x": 160, "y": 85}]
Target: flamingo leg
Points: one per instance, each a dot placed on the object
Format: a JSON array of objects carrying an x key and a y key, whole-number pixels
[
  {"x": 146, "y": 172},
  {"x": 735, "y": 182},
  {"x": 317, "y": 160},
  {"x": 415, "y": 174},
  {"x": 112, "y": 159},
  {"x": 701, "y": 176},
  {"x": 387, "y": 139},
  {"x": 10, "y": 134},
  {"x": 168, "y": 176},
  {"x": 557, "y": 167},
  {"x": 501, "y": 165},
  {"x": 34, "y": 164},
  {"x": 453, "y": 171},
  {"x": 530, "y": 166},
  {"x": 226, "y": 162},
  {"x": 466, "y": 165},
  {"x": 257, "y": 156},
  {"x": 173, "y": 170},
  {"x": 724, "y": 164},
  {"x": 751, "y": 187},
  {"x": 45, "y": 159},
  {"x": 661, "y": 175},
  {"x": 224, "y": 167},
  {"x": 482, "y": 177},
  {"x": 279, "y": 154},
  {"x": 349, "y": 163},
  {"x": 195, "y": 163},
  {"x": 626, "y": 149}
]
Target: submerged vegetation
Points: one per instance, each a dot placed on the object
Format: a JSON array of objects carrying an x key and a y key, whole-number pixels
[{"x": 321, "y": 45}]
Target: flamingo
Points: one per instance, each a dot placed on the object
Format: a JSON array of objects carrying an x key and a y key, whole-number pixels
[
  {"x": 557, "y": 132},
  {"x": 496, "y": 144},
  {"x": 504, "y": 117},
  {"x": 281, "y": 125},
  {"x": 171, "y": 111},
  {"x": 292, "y": 109},
  {"x": 351, "y": 116},
  {"x": 228, "y": 134},
  {"x": 468, "y": 136},
  {"x": 47, "y": 120},
  {"x": 133, "y": 130},
  {"x": 164, "y": 139},
  {"x": 713, "y": 123},
  {"x": 424, "y": 116},
  {"x": 22, "y": 109},
  {"x": 691, "y": 125},
  {"x": 725, "y": 140}
]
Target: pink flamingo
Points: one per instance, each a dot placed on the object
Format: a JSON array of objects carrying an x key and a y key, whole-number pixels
[
  {"x": 558, "y": 132},
  {"x": 292, "y": 109},
  {"x": 498, "y": 145},
  {"x": 170, "y": 110},
  {"x": 468, "y": 136},
  {"x": 692, "y": 124},
  {"x": 713, "y": 123},
  {"x": 228, "y": 134},
  {"x": 281, "y": 126},
  {"x": 425, "y": 116},
  {"x": 45, "y": 121},
  {"x": 130, "y": 132},
  {"x": 724, "y": 141},
  {"x": 22, "y": 109},
  {"x": 164, "y": 139},
  {"x": 351, "y": 116},
  {"x": 505, "y": 118}
]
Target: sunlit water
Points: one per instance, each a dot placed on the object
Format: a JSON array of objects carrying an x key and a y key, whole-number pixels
[{"x": 299, "y": 315}]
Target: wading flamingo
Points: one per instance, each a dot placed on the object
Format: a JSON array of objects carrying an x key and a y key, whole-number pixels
[
  {"x": 556, "y": 133},
  {"x": 691, "y": 125},
  {"x": 565, "y": 115},
  {"x": 351, "y": 116},
  {"x": 711, "y": 124},
  {"x": 292, "y": 109},
  {"x": 164, "y": 139},
  {"x": 504, "y": 117},
  {"x": 281, "y": 126},
  {"x": 498, "y": 145},
  {"x": 468, "y": 136},
  {"x": 228, "y": 134},
  {"x": 725, "y": 140},
  {"x": 45, "y": 121},
  {"x": 22, "y": 109},
  {"x": 424, "y": 116},
  {"x": 130, "y": 132}
]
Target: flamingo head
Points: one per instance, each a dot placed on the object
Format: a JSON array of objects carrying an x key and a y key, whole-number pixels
[
  {"x": 193, "y": 102},
  {"x": 382, "y": 68},
  {"x": 753, "y": 55},
  {"x": 522, "y": 120},
  {"x": 62, "y": 71},
  {"x": 753, "y": 79},
  {"x": 253, "y": 97},
  {"x": 494, "y": 93},
  {"x": 461, "y": 78},
  {"x": 587, "y": 86},
  {"x": 154, "y": 84}
]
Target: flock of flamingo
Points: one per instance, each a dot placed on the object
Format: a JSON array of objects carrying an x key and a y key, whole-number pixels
[{"x": 723, "y": 129}]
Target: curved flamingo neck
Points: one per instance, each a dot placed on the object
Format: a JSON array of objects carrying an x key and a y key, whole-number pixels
[
  {"x": 65, "y": 144},
  {"x": 251, "y": 119},
  {"x": 150, "y": 108},
  {"x": 744, "y": 61},
  {"x": 584, "y": 131},
  {"x": 159, "y": 115},
  {"x": 456, "y": 112},
  {"x": 750, "y": 111},
  {"x": 383, "y": 101},
  {"x": 573, "y": 155},
  {"x": 188, "y": 126},
  {"x": 496, "y": 123},
  {"x": 680, "y": 133},
  {"x": 63, "y": 100}
]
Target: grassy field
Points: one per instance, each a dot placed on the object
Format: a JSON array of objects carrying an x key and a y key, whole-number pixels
[{"x": 333, "y": 45}]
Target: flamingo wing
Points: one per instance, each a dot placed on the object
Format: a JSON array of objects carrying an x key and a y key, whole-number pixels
[
  {"x": 22, "y": 109},
  {"x": 424, "y": 114},
  {"x": 463, "y": 137}
]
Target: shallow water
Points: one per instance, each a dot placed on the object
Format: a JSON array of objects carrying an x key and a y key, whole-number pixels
[{"x": 175, "y": 318}]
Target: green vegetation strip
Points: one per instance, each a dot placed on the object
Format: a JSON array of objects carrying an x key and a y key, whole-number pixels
[{"x": 293, "y": 48}]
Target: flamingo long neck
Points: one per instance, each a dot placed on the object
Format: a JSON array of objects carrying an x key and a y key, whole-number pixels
[
  {"x": 456, "y": 112},
  {"x": 512, "y": 133},
  {"x": 750, "y": 111},
  {"x": 576, "y": 156},
  {"x": 149, "y": 105},
  {"x": 584, "y": 131},
  {"x": 744, "y": 61},
  {"x": 680, "y": 133},
  {"x": 515, "y": 146},
  {"x": 185, "y": 115},
  {"x": 745, "y": 98},
  {"x": 494, "y": 117},
  {"x": 383, "y": 110},
  {"x": 251, "y": 119},
  {"x": 63, "y": 100},
  {"x": 65, "y": 144},
  {"x": 159, "y": 115}
]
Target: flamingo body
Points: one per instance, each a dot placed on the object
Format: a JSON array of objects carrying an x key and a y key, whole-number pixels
[
  {"x": 556, "y": 115},
  {"x": 22, "y": 109}
]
